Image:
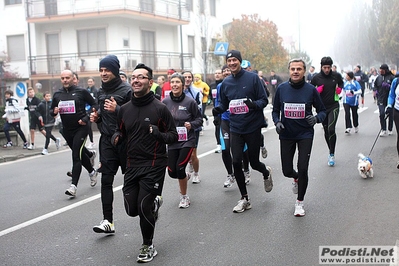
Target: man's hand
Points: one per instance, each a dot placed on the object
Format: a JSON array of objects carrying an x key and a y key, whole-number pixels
[
  {"x": 216, "y": 111},
  {"x": 110, "y": 104},
  {"x": 80, "y": 122},
  {"x": 279, "y": 127},
  {"x": 115, "y": 138},
  {"x": 41, "y": 121},
  {"x": 250, "y": 103},
  {"x": 154, "y": 130},
  {"x": 94, "y": 116},
  {"x": 55, "y": 110},
  {"x": 311, "y": 119},
  {"x": 388, "y": 110}
]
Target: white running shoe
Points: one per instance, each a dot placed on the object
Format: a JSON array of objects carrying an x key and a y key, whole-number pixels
[
  {"x": 196, "y": 179},
  {"x": 383, "y": 133},
  {"x": 218, "y": 149},
  {"x": 57, "y": 143},
  {"x": 356, "y": 129},
  {"x": 93, "y": 157},
  {"x": 147, "y": 253},
  {"x": 44, "y": 152},
  {"x": 295, "y": 186},
  {"x": 71, "y": 191},
  {"x": 229, "y": 181},
  {"x": 184, "y": 202},
  {"x": 390, "y": 132},
  {"x": 31, "y": 147},
  {"x": 331, "y": 160},
  {"x": 264, "y": 152},
  {"x": 93, "y": 178},
  {"x": 299, "y": 210},
  {"x": 247, "y": 175},
  {"x": 242, "y": 205},
  {"x": 348, "y": 130},
  {"x": 105, "y": 227},
  {"x": 268, "y": 183}
]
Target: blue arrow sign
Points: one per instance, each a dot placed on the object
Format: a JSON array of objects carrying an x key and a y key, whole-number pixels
[
  {"x": 21, "y": 89},
  {"x": 221, "y": 48}
]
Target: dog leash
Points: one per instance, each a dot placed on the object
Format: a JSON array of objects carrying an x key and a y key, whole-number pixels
[{"x": 385, "y": 118}]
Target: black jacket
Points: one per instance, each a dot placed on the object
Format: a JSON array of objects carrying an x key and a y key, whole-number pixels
[
  {"x": 383, "y": 85},
  {"x": 122, "y": 93},
  {"x": 44, "y": 110},
  {"x": 31, "y": 106},
  {"x": 71, "y": 102}
]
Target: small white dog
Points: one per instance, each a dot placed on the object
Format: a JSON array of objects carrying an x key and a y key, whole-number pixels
[{"x": 365, "y": 166}]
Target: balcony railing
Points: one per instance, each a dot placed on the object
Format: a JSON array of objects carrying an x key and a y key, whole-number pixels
[
  {"x": 163, "y": 8},
  {"x": 159, "y": 61}
]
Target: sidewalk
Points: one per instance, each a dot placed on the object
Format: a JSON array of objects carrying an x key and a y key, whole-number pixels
[{"x": 18, "y": 152}]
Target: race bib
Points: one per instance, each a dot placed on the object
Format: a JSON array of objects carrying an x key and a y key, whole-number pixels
[
  {"x": 274, "y": 81},
  {"x": 294, "y": 110},
  {"x": 214, "y": 92},
  {"x": 167, "y": 94},
  {"x": 238, "y": 107},
  {"x": 182, "y": 132},
  {"x": 357, "y": 78},
  {"x": 66, "y": 107}
]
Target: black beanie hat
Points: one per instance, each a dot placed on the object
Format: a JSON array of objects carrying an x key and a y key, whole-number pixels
[
  {"x": 234, "y": 53},
  {"x": 326, "y": 61},
  {"x": 111, "y": 62},
  {"x": 384, "y": 66},
  {"x": 224, "y": 67}
]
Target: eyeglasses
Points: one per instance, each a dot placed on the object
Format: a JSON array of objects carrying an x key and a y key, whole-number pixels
[
  {"x": 227, "y": 70},
  {"x": 139, "y": 77}
]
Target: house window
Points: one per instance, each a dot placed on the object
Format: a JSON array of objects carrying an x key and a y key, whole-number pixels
[
  {"x": 12, "y": 2},
  {"x": 125, "y": 43},
  {"x": 191, "y": 45},
  {"x": 189, "y": 5},
  {"x": 202, "y": 6},
  {"x": 50, "y": 7},
  {"x": 92, "y": 41},
  {"x": 16, "y": 47},
  {"x": 147, "y": 6},
  {"x": 212, "y": 7}
]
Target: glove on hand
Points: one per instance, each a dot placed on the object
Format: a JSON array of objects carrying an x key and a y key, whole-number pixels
[
  {"x": 386, "y": 85},
  {"x": 311, "y": 119},
  {"x": 154, "y": 130},
  {"x": 352, "y": 92},
  {"x": 338, "y": 90},
  {"x": 216, "y": 111},
  {"x": 250, "y": 103},
  {"x": 320, "y": 88},
  {"x": 279, "y": 127},
  {"x": 116, "y": 137},
  {"x": 388, "y": 110}
]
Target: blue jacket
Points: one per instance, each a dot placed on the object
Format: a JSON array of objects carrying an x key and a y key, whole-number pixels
[
  {"x": 244, "y": 85},
  {"x": 349, "y": 98},
  {"x": 291, "y": 106}
]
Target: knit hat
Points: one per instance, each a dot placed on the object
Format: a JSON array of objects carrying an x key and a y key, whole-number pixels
[
  {"x": 234, "y": 53},
  {"x": 122, "y": 73},
  {"x": 326, "y": 61},
  {"x": 224, "y": 67},
  {"x": 111, "y": 62},
  {"x": 197, "y": 76},
  {"x": 245, "y": 64},
  {"x": 384, "y": 66},
  {"x": 171, "y": 71}
]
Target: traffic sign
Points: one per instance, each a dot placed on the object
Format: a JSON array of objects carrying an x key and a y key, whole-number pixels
[
  {"x": 21, "y": 89},
  {"x": 221, "y": 48}
]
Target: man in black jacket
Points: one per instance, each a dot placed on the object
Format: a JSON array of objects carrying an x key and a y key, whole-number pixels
[
  {"x": 31, "y": 104},
  {"x": 383, "y": 85},
  {"x": 147, "y": 126},
  {"x": 111, "y": 96}
]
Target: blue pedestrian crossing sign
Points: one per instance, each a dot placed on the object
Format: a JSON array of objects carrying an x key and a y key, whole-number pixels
[{"x": 221, "y": 48}]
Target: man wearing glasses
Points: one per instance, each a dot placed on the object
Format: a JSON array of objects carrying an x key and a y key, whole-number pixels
[{"x": 111, "y": 96}]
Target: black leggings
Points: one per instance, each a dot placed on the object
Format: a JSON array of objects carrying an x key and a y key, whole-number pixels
[
  {"x": 329, "y": 128},
  {"x": 237, "y": 143},
  {"x": 141, "y": 186},
  {"x": 177, "y": 162},
  {"x": 49, "y": 136},
  {"x": 287, "y": 152},
  {"x": 17, "y": 127},
  {"x": 355, "y": 117},
  {"x": 76, "y": 141}
]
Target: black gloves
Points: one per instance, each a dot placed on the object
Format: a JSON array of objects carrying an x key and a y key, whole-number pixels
[
  {"x": 388, "y": 110},
  {"x": 250, "y": 103},
  {"x": 116, "y": 137},
  {"x": 279, "y": 127},
  {"x": 216, "y": 111},
  {"x": 311, "y": 119},
  {"x": 154, "y": 130},
  {"x": 216, "y": 120},
  {"x": 352, "y": 92}
]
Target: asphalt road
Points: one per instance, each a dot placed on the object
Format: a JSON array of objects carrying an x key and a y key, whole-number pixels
[{"x": 40, "y": 225}]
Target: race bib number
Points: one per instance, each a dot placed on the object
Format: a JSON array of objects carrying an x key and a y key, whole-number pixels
[
  {"x": 66, "y": 107},
  {"x": 238, "y": 107},
  {"x": 182, "y": 132},
  {"x": 294, "y": 110},
  {"x": 167, "y": 94},
  {"x": 214, "y": 92},
  {"x": 357, "y": 78},
  {"x": 274, "y": 81}
]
